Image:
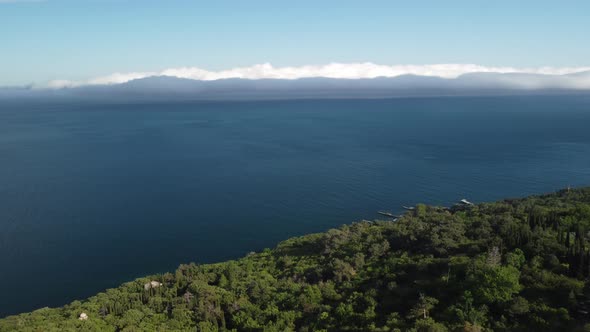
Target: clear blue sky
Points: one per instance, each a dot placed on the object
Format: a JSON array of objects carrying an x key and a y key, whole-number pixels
[{"x": 80, "y": 39}]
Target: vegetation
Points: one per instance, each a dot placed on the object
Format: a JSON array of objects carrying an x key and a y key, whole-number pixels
[{"x": 514, "y": 265}]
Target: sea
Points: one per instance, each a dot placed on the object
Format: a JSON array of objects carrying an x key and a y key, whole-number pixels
[{"x": 97, "y": 193}]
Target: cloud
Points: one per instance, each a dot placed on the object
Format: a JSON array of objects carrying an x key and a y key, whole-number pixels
[
  {"x": 332, "y": 70},
  {"x": 118, "y": 78}
]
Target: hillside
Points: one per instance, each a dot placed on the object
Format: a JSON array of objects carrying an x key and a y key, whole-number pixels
[{"x": 513, "y": 265}]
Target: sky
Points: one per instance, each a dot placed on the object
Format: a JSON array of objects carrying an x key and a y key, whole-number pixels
[{"x": 53, "y": 41}]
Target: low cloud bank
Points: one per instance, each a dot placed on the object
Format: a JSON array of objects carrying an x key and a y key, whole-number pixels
[{"x": 352, "y": 71}]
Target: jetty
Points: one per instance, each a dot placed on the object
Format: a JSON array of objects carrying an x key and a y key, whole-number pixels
[
  {"x": 461, "y": 205},
  {"x": 388, "y": 214},
  {"x": 465, "y": 202}
]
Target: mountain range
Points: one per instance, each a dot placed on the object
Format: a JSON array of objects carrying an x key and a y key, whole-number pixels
[{"x": 168, "y": 87}]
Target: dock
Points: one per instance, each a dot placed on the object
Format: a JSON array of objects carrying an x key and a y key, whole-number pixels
[
  {"x": 388, "y": 214},
  {"x": 465, "y": 202}
]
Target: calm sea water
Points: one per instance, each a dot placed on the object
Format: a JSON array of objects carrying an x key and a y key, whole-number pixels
[{"x": 92, "y": 195}]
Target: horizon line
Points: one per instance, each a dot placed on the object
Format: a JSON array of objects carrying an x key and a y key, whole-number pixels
[{"x": 335, "y": 70}]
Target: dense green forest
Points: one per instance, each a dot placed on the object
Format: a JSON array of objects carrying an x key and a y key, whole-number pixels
[{"x": 513, "y": 265}]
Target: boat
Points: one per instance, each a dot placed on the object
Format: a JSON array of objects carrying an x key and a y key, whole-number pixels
[
  {"x": 410, "y": 208},
  {"x": 387, "y": 214},
  {"x": 465, "y": 202}
]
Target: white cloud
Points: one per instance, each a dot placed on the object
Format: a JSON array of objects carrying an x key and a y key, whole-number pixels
[
  {"x": 56, "y": 84},
  {"x": 332, "y": 70},
  {"x": 118, "y": 78}
]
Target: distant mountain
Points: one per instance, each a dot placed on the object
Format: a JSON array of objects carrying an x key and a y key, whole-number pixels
[
  {"x": 520, "y": 81},
  {"x": 473, "y": 84}
]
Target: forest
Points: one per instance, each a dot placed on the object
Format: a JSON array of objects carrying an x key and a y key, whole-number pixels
[{"x": 512, "y": 265}]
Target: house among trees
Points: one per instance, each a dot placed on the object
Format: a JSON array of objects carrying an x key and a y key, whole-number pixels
[{"x": 152, "y": 284}]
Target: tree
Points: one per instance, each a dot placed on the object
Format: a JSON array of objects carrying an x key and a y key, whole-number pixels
[
  {"x": 429, "y": 325},
  {"x": 422, "y": 308},
  {"x": 516, "y": 258},
  {"x": 472, "y": 317},
  {"x": 495, "y": 284}
]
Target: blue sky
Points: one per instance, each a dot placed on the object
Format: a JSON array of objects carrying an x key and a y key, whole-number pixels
[{"x": 81, "y": 39}]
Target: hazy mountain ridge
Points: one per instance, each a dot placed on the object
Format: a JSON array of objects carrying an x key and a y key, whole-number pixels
[{"x": 472, "y": 84}]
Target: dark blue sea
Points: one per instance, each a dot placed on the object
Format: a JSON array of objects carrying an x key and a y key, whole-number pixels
[{"x": 96, "y": 194}]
